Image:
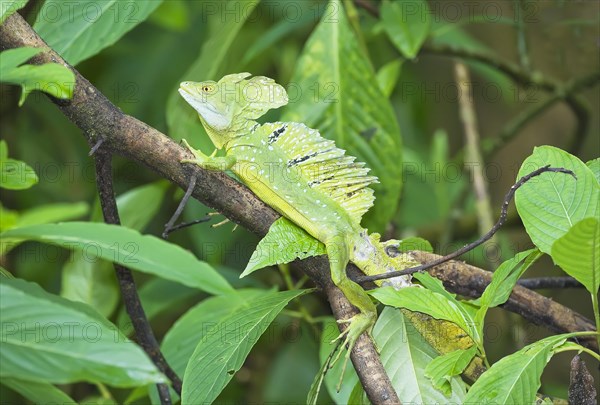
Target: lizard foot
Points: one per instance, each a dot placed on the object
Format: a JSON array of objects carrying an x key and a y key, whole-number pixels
[
  {"x": 359, "y": 323},
  {"x": 199, "y": 157}
]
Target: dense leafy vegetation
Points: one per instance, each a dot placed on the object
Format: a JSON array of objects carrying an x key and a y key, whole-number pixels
[{"x": 376, "y": 78}]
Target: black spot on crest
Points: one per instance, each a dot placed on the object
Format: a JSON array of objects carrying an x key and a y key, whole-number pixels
[
  {"x": 276, "y": 134},
  {"x": 301, "y": 159},
  {"x": 316, "y": 182}
]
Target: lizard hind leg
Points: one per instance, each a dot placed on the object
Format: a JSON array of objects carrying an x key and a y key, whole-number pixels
[{"x": 339, "y": 255}]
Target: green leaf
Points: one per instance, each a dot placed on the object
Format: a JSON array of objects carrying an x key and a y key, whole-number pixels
[
  {"x": 50, "y": 339},
  {"x": 8, "y": 220},
  {"x": 551, "y": 203},
  {"x": 41, "y": 215},
  {"x": 48, "y": 213},
  {"x": 222, "y": 353},
  {"x": 387, "y": 76},
  {"x": 358, "y": 395},
  {"x": 5, "y": 273},
  {"x": 594, "y": 166},
  {"x": 405, "y": 355},
  {"x": 172, "y": 15},
  {"x": 92, "y": 282},
  {"x": 284, "y": 243},
  {"x": 149, "y": 196},
  {"x": 515, "y": 379},
  {"x": 129, "y": 248},
  {"x": 52, "y": 78},
  {"x": 12, "y": 58},
  {"x": 83, "y": 28},
  {"x": 8, "y": 7},
  {"x": 38, "y": 392},
  {"x": 98, "y": 400},
  {"x": 407, "y": 24},
  {"x": 3, "y": 150},
  {"x": 281, "y": 30},
  {"x": 414, "y": 243},
  {"x": 335, "y": 91},
  {"x": 14, "y": 174},
  {"x": 198, "y": 323},
  {"x": 503, "y": 281},
  {"x": 442, "y": 369},
  {"x": 428, "y": 302},
  {"x": 182, "y": 120},
  {"x": 578, "y": 253},
  {"x": 434, "y": 284}
]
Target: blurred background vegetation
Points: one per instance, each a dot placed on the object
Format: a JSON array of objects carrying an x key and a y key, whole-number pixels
[{"x": 549, "y": 40}]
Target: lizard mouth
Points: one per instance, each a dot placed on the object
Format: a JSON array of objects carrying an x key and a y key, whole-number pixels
[{"x": 196, "y": 99}]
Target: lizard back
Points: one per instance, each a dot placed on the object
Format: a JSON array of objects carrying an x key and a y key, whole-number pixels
[{"x": 308, "y": 172}]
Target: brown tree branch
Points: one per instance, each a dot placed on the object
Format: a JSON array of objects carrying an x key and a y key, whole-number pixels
[
  {"x": 133, "y": 305},
  {"x": 539, "y": 283}
]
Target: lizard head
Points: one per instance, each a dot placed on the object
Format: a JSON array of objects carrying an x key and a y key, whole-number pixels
[{"x": 231, "y": 105}]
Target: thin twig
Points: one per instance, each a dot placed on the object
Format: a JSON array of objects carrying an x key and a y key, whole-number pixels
[
  {"x": 513, "y": 71},
  {"x": 539, "y": 283},
  {"x": 131, "y": 299},
  {"x": 473, "y": 245},
  {"x": 188, "y": 193},
  {"x": 186, "y": 224},
  {"x": 368, "y": 6},
  {"x": 473, "y": 160},
  {"x": 521, "y": 36},
  {"x": 578, "y": 107}
]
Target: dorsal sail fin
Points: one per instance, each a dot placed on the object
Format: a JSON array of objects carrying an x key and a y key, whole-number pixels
[{"x": 324, "y": 166}]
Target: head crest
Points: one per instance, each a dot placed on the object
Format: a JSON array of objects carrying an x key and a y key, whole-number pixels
[{"x": 256, "y": 96}]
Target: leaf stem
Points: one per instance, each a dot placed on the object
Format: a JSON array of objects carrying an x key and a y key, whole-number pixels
[
  {"x": 580, "y": 349},
  {"x": 596, "y": 316},
  {"x": 302, "y": 312},
  {"x": 104, "y": 392}
]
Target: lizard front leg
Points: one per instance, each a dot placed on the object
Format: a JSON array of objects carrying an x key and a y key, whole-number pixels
[{"x": 211, "y": 162}]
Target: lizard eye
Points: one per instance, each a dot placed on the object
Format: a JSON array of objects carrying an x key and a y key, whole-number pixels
[{"x": 206, "y": 89}]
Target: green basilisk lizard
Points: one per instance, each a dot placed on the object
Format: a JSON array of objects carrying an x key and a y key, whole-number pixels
[{"x": 303, "y": 176}]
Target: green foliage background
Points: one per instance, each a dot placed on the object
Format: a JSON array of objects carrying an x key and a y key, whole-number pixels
[{"x": 367, "y": 68}]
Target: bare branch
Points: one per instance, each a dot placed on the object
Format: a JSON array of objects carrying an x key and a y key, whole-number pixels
[
  {"x": 131, "y": 299},
  {"x": 539, "y": 283}
]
